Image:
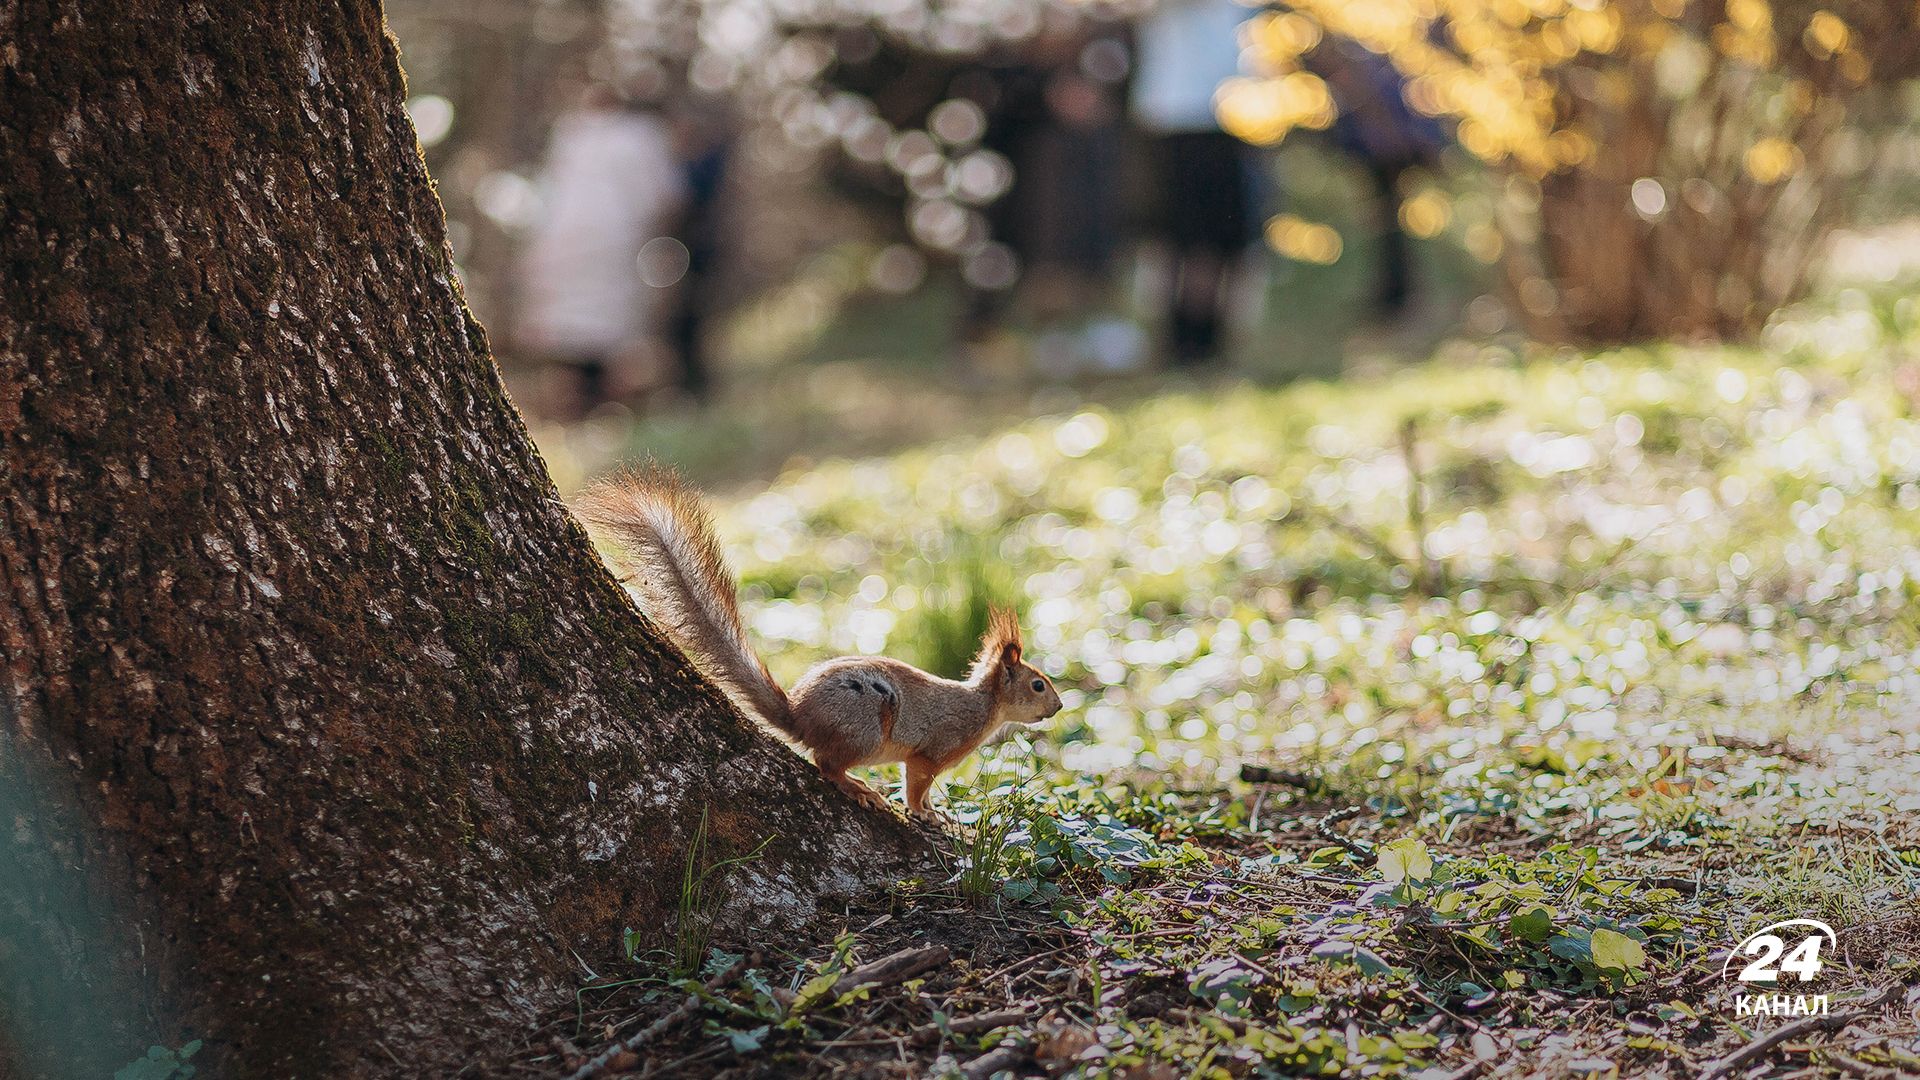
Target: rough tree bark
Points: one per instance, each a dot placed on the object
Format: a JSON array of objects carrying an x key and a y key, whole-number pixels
[{"x": 324, "y": 735}]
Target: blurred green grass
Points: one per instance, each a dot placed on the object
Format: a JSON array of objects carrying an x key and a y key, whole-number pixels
[{"x": 1232, "y": 572}]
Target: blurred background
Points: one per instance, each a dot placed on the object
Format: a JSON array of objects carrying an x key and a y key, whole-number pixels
[
  {"x": 1452, "y": 392},
  {"x": 745, "y": 235}
]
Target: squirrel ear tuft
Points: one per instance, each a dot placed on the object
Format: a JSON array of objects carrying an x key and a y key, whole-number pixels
[
  {"x": 1000, "y": 647},
  {"x": 1003, "y": 626}
]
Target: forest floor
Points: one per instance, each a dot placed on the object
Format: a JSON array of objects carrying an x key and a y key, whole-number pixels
[{"x": 1457, "y": 721}]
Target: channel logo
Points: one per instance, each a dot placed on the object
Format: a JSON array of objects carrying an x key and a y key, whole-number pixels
[{"x": 1788, "y": 951}]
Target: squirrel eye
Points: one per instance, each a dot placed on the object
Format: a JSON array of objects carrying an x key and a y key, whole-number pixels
[{"x": 1039, "y": 685}]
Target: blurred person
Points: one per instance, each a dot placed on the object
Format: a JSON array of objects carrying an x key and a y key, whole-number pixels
[
  {"x": 1204, "y": 213},
  {"x": 1377, "y": 126},
  {"x": 610, "y": 184},
  {"x": 1057, "y": 115},
  {"x": 703, "y": 138}
]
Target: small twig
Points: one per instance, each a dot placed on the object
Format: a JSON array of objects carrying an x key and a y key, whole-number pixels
[
  {"x": 1325, "y": 827},
  {"x": 1329, "y": 879},
  {"x": 929, "y": 1034},
  {"x": 968, "y": 1025},
  {"x": 893, "y": 968},
  {"x": 1470, "y": 1024},
  {"x": 564, "y": 1050},
  {"x": 1763, "y": 1045},
  {"x": 1864, "y": 1070},
  {"x": 1681, "y": 885},
  {"x": 1005, "y": 1057},
  {"x": 1466, "y": 1072},
  {"x": 717, "y": 1048},
  {"x": 1026, "y": 961},
  {"x": 632, "y": 1043}
]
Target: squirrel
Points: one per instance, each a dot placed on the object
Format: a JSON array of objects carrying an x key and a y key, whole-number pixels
[{"x": 849, "y": 711}]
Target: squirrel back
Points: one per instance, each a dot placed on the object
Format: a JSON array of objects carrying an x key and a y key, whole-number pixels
[{"x": 674, "y": 563}]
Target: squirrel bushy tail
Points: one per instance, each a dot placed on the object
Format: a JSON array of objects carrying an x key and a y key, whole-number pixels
[{"x": 683, "y": 581}]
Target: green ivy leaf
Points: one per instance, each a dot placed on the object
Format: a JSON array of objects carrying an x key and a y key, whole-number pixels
[
  {"x": 815, "y": 990},
  {"x": 1571, "y": 946},
  {"x": 1614, "y": 951},
  {"x": 747, "y": 1041},
  {"x": 1405, "y": 859},
  {"x": 1534, "y": 924},
  {"x": 1368, "y": 961}
]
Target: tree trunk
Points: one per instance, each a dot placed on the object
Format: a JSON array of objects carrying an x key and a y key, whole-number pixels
[{"x": 324, "y": 735}]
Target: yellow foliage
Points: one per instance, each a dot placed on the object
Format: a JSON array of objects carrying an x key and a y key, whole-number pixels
[
  {"x": 1302, "y": 240},
  {"x": 1263, "y": 110},
  {"x": 1426, "y": 214},
  {"x": 1598, "y": 30},
  {"x": 1569, "y": 147},
  {"x": 1772, "y": 160},
  {"x": 1278, "y": 39},
  {"x": 1826, "y": 34},
  {"x": 1747, "y": 35},
  {"x": 1503, "y": 69},
  {"x": 1750, "y": 16}
]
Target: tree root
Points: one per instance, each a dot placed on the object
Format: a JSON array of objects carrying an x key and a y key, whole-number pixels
[
  {"x": 632, "y": 1043},
  {"x": 993, "y": 1061},
  {"x": 969, "y": 1025},
  {"x": 893, "y": 968}
]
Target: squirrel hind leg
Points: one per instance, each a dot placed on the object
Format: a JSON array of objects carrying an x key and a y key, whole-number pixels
[
  {"x": 861, "y": 793},
  {"x": 920, "y": 776}
]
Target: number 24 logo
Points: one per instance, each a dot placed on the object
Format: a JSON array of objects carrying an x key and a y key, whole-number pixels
[{"x": 1771, "y": 956}]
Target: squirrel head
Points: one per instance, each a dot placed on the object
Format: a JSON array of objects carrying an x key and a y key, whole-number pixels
[{"x": 1022, "y": 694}]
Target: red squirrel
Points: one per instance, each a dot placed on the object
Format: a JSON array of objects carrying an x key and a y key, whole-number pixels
[{"x": 849, "y": 711}]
